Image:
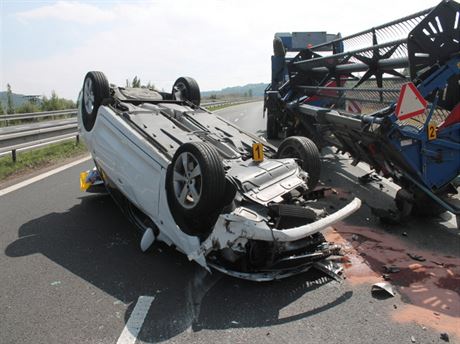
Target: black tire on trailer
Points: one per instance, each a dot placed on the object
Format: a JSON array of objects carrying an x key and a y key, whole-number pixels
[
  {"x": 95, "y": 89},
  {"x": 196, "y": 183},
  {"x": 278, "y": 47},
  {"x": 306, "y": 152},
  {"x": 186, "y": 88},
  {"x": 272, "y": 127},
  {"x": 422, "y": 204}
]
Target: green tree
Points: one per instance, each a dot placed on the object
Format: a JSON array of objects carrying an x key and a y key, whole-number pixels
[
  {"x": 2, "y": 112},
  {"x": 9, "y": 99},
  {"x": 56, "y": 103},
  {"x": 150, "y": 86},
  {"x": 136, "y": 82},
  {"x": 250, "y": 93},
  {"x": 27, "y": 107}
]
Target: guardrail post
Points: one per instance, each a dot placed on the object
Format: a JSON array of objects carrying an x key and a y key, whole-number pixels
[
  {"x": 13, "y": 155},
  {"x": 78, "y": 139}
]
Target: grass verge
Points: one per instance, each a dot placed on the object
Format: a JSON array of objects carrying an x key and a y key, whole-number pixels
[
  {"x": 27, "y": 161},
  {"x": 218, "y": 107}
]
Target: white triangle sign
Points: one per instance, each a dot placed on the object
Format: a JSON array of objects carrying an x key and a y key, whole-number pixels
[{"x": 410, "y": 102}]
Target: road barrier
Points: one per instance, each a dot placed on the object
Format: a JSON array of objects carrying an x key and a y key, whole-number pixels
[{"x": 36, "y": 134}]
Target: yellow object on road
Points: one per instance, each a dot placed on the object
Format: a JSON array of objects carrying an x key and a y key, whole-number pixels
[{"x": 84, "y": 185}]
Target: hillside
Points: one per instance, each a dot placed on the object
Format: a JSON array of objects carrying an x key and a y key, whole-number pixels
[{"x": 257, "y": 90}]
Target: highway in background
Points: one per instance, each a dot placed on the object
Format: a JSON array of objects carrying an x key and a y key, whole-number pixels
[{"x": 72, "y": 272}]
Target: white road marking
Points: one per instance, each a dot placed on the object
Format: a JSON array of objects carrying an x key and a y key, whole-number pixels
[
  {"x": 236, "y": 120},
  {"x": 41, "y": 176},
  {"x": 135, "y": 321}
]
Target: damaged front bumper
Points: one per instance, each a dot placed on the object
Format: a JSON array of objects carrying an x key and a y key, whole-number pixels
[{"x": 243, "y": 226}]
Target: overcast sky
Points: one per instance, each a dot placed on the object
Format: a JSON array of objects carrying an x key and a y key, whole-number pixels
[{"x": 50, "y": 45}]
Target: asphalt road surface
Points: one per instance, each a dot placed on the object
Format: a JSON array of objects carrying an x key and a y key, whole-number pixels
[{"x": 72, "y": 272}]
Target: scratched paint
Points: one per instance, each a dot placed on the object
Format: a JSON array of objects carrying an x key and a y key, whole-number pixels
[{"x": 431, "y": 288}]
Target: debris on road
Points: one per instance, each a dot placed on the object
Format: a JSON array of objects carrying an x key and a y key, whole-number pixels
[
  {"x": 391, "y": 269},
  {"x": 330, "y": 268},
  {"x": 368, "y": 178},
  {"x": 383, "y": 287},
  {"x": 387, "y": 215},
  {"x": 445, "y": 337},
  {"x": 55, "y": 283},
  {"x": 412, "y": 339},
  {"x": 416, "y": 257}
]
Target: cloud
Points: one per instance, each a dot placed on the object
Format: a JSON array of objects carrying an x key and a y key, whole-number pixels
[{"x": 68, "y": 11}]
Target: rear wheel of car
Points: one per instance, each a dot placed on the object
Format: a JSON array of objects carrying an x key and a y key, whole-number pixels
[
  {"x": 306, "y": 152},
  {"x": 197, "y": 179},
  {"x": 186, "y": 88},
  {"x": 95, "y": 90},
  {"x": 272, "y": 127}
]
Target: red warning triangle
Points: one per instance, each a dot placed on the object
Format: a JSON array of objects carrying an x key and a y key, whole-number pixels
[{"x": 410, "y": 102}]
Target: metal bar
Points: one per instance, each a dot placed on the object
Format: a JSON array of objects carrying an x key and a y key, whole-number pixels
[
  {"x": 320, "y": 88},
  {"x": 30, "y": 115},
  {"x": 40, "y": 142},
  {"x": 380, "y": 27}
]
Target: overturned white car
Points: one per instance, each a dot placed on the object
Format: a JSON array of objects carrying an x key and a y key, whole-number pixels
[{"x": 185, "y": 176}]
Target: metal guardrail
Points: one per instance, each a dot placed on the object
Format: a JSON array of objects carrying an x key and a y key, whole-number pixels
[
  {"x": 20, "y": 116},
  {"x": 28, "y": 136}
]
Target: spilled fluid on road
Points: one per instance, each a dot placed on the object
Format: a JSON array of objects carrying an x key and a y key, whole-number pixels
[{"x": 430, "y": 289}]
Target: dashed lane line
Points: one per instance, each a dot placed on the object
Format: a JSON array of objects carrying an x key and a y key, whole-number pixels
[{"x": 136, "y": 320}]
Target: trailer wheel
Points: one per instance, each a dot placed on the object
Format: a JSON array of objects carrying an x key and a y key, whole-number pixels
[
  {"x": 196, "y": 180},
  {"x": 95, "y": 89},
  {"x": 422, "y": 204},
  {"x": 186, "y": 88},
  {"x": 272, "y": 127},
  {"x": 306, "y": 152}
]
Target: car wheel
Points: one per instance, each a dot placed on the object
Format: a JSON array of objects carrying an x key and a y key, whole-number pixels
[
  {"x": 186, "y": 88},
  {"x": 306, "y": 152},
  {"x": 95, "y": 90},
  {"x": 197, "y": 179},
  {"x": 272, "y": 127}
]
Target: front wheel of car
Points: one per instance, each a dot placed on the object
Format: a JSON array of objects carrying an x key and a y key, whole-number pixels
[
  {"x": 197, "y": 179},
  {"x": 186, "y": 88},
  {"x": 307, "y": 153},
  {"x": 95, "y": 89}
]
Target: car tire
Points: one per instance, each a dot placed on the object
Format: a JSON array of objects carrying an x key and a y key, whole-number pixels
[
  {"x": 196, "y": 180},
  {"x": 95, "y": 89},
  {"x": 306, "y": 152},
  {"x": 186, "y": 88},
  {"x": 272, "y": 127}
]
